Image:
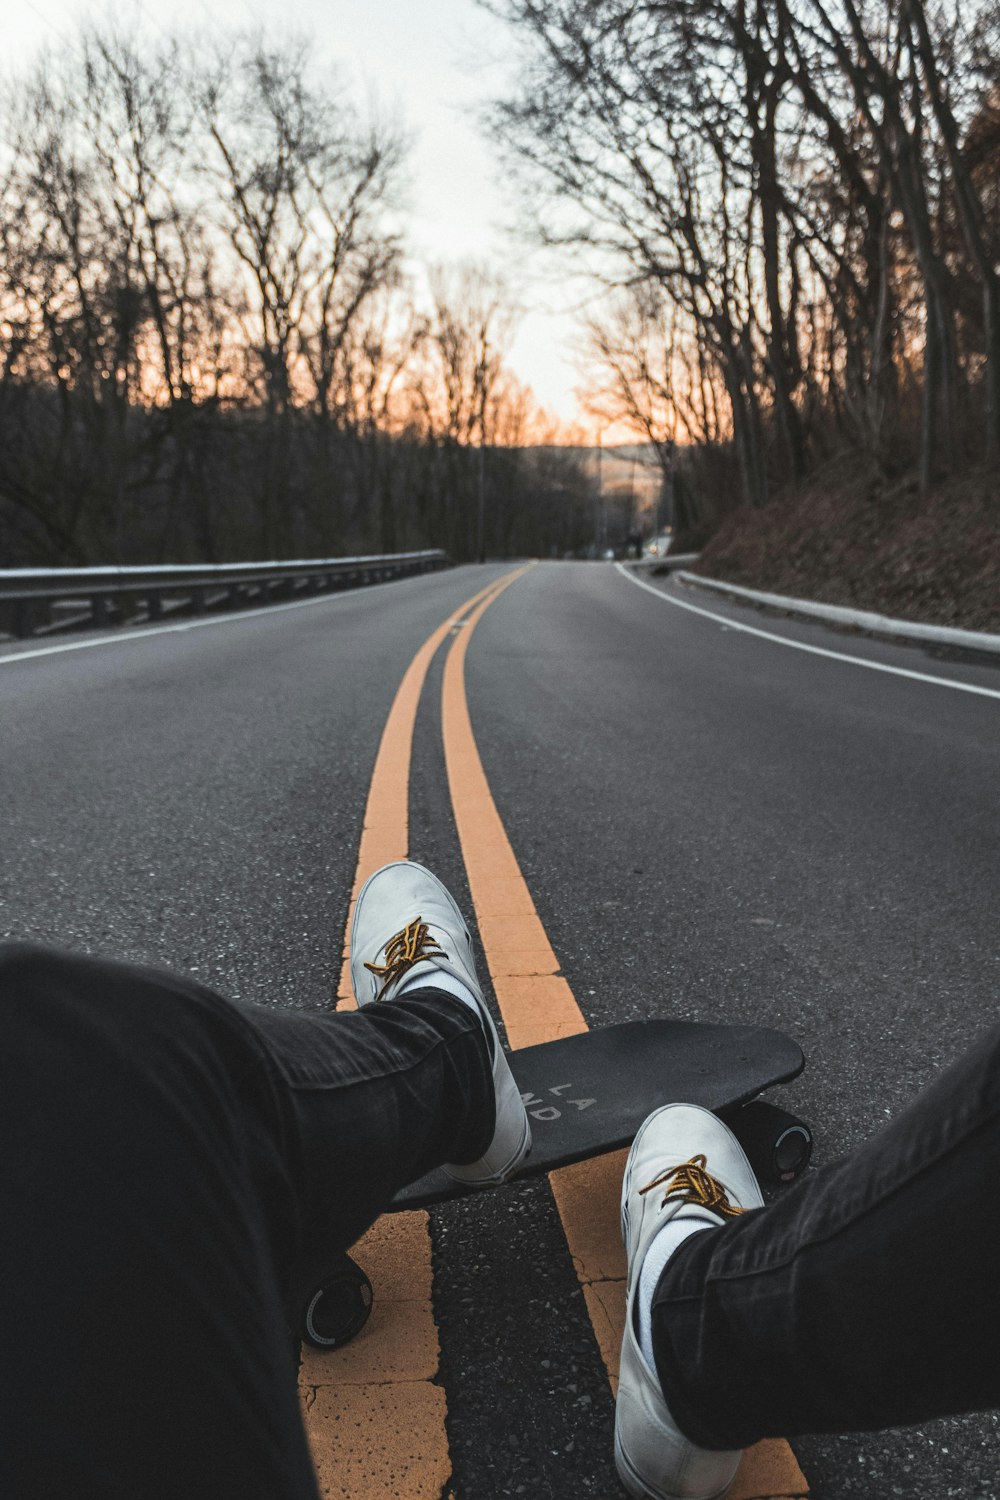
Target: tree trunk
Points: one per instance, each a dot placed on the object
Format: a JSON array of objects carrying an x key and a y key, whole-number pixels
[
  {"x": 789, "y": 424},
  {"x": 973, "y": 221}
]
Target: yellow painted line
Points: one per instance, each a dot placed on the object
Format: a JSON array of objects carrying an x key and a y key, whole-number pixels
[
  {"x": 538, "y": 1005},
  {"x": 373, "y": 1414},
  {"x": 385, "y": 827}
]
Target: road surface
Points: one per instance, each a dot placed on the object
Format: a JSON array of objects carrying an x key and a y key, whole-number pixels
[{"x": 712, "y": 824}]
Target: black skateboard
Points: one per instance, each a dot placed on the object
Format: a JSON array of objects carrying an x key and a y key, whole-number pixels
[{"x": 588, "y": 1094}]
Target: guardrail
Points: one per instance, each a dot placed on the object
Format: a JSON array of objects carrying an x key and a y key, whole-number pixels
[{"x": 29, "y": 597}]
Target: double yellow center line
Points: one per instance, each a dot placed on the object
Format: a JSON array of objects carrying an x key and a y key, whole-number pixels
[{"x": 376, "y": 1419}]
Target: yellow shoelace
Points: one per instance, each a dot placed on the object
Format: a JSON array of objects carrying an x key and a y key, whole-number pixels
[
  {"x": 692, "y": 1184},
  {"x": 404, "y": 950}
]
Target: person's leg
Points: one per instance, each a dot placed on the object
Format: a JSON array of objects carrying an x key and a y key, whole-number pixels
[
  {"x": 863, "y": 1298},
  {"x": 408, "y": 932},
  {"x": 414, "y": 1079},
  {"x": 685, "y": 1175},
  {"x": 169, "y": 1159},
  {"x": 143, "y": 1351},
  {"x": 372, "y": 1100}
]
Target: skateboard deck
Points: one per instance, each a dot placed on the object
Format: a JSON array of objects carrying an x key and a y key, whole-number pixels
[{"x": 587, "y": 1095}]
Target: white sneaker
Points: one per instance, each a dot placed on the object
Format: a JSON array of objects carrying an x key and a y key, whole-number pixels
[
  {"x": 684, "y": 1165},
  {"x": 407, "y": 925}
]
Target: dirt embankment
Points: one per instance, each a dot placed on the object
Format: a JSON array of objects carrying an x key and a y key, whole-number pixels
[{"x": 853, "y": 538}]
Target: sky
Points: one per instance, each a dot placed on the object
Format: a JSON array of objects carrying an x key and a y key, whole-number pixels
[{"x": 432, "y": 64}]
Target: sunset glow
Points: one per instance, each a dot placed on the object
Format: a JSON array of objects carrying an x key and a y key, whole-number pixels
[{"x": 431, "y": 67}]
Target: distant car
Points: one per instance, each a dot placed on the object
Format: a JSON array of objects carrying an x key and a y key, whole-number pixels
[
  {"x": 659, "y": 546},
  {"x": 608, "y": 554}
]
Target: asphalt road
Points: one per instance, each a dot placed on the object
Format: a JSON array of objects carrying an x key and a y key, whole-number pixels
[{"x": 713, "y": 825}]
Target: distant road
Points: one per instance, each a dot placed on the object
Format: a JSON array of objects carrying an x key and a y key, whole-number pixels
[{"x": 711, "y": 824}]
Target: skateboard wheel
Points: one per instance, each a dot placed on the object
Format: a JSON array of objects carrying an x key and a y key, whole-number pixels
[
  {"x": 338, "y": 1308},
  {"x": 777, "y": 1143}
]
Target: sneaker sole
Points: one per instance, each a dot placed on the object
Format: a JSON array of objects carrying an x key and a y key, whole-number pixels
[{"x": 641, "y": 1489}]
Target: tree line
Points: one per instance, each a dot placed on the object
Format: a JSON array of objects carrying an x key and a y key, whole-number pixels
[
  {"x": 210, "y": 347},
  {"x": 798, "y": 202}
]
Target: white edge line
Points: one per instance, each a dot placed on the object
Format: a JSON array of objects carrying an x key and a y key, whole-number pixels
[
  {"x": 781, "y": 640},
  {"x": 138, "y": 635}
]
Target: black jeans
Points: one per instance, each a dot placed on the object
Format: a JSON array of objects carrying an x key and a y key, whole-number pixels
[
  {"x": 169, "y": 1161},
  {"x": 868, "y": 1296}
]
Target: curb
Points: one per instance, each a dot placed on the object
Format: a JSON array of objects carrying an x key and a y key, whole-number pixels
[
  {"x": 665, "y": 564},
  {"x": 853, "y": 619}
]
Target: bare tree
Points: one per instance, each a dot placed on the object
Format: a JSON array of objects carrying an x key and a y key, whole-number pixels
[
  {"x": 207, "y": 347},
  {"x": 645, "y": 374},
  {"x": 788, "y": 174},
  {"x": 67, "y": 271},
  {"x": 980, "y": 236},
  {"x": 463, "y": 346},
  {"x": 303, "y": 195},
  {"x": 618, "y": 123}
]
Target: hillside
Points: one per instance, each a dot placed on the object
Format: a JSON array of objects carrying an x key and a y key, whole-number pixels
[{"x": 855, "y": 539}]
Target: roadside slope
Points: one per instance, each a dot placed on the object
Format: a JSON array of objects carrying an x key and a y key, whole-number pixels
[{"x": 852, "y": 538}]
